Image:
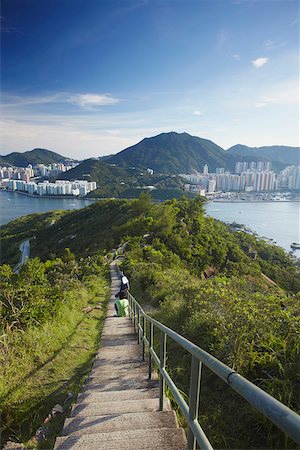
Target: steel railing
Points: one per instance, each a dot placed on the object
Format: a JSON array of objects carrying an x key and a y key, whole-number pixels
[{"x": 144, "y": 325}]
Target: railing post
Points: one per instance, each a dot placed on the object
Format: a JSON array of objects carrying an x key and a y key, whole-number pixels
[
  {"x": 134, "y": 317},
  {"x": 196, "y": 368},
  {"x": 143, "y": 337},
  {"x": 150, "y": 348},
  {"x": 163, "y": 354},
  {"x": 129, "y": 303},
  {"x": 138, "y": 326}
]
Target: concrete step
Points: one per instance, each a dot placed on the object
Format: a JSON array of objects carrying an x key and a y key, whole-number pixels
[
  {"x": 134, "y": 394},
  {"x": 98, "y": 367},
  {"x": 146, "y": 439},
  {"x": 97, "y": 375},
  {"x": 116, "y": 333},
  {"x": 118, "y": 407},
  {"x": 116, "y": 360},
  {"x": 114, "y": 341},
  {"x": 116, "y": 422},
  {"x": 130, "y": 349},
  {"x": 119, "y": 385}
]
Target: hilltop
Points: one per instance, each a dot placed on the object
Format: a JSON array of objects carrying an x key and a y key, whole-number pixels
[
  {"x": 35, "y": 156},
  {"x": 174, "y": 153}
]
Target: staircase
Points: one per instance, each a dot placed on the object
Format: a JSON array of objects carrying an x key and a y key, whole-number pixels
[{"x": 119, "y": 406}]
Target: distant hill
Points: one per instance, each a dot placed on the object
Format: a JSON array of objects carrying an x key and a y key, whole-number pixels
[
  {"x": 35, "y": 156},
  {"x": 108, "y": 178},
  {"x": 113, "y": 181},
  {"x": 174, "y": 153},
  {"x": 280, "y": 155}
]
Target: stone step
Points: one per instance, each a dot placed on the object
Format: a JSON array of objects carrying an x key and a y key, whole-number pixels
[
  {"x": 118, "y": 407},
  {"x": 117, "y": 360},
  {"x": 116, "y": 422},
  {"x": 99, "y": 367},
  {"x": 133, "y": 394},
  {"x": 130, "y": 349},
  {"x": 114, "y": 341},
  {"x": 119, "y": 385},
  {"x": 145, "y": 439},
  {"x": 96, "y": 375},
  {"x": 116, "y": 333}
]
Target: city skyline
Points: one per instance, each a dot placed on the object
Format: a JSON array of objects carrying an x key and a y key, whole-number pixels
[{"x": 96, "y": 77}]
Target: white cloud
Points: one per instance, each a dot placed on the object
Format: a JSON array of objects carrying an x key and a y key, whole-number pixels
[
  {"x": 84, "y": 100},
  {"x": 236, "y": 56},
  {"x": 198, "y": 113},
  {"x": 90, "y": 100},
  {"x": 259, "y": 62}
]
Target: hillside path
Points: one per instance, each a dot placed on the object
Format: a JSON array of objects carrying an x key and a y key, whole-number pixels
[{"x": 119, "y": 406}]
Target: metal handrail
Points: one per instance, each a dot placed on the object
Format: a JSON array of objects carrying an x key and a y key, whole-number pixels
[{"x": 282, "y": 416}]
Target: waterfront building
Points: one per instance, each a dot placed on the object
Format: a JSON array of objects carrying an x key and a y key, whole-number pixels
[
  {"x": 60, "y": 187},
  {"x": 211, "y": 186}
]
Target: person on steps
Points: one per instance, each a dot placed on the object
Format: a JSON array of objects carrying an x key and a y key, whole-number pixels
[
  {"x": 124, "y": 286},
  {"x": 121, "y": 305}
]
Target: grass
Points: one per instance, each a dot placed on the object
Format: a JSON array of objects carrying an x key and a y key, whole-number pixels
[{"x": 45, "y": 365}]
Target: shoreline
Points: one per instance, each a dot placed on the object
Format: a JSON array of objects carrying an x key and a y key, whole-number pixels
[
  {"x": 56, "y": 197},
  {"x": 254, "y": 201}
]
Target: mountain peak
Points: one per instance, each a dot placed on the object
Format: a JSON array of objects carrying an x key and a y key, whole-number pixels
[{"x": 173, "y": 152}]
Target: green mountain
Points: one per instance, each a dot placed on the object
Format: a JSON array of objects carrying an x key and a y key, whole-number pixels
[
  {"x": 35, "y": 156},
  {"x": 279, "y": 155},
  {"x": 174, "y": 153}
]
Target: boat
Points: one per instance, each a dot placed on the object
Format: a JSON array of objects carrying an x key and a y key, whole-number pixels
[{"x": 295, "y": 245}]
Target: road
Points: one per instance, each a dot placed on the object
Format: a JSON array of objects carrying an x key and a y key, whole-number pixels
[{"x": 25, "y": 253}]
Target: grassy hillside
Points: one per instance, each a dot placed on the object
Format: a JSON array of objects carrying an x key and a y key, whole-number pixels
[
  {"x": 48, "y": 312},
  {"x": 200, "y": 277},
  {"x": 103, "y": 224}
]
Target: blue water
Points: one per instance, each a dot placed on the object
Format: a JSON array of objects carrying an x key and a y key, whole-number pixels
[
  {"x": 277, "y": 220},
  {"x": 13, "y": 205}
]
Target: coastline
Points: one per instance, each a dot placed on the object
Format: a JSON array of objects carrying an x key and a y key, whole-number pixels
[
  {"x": 254, "y": 201},
  {"x": 62, "y": 197}
]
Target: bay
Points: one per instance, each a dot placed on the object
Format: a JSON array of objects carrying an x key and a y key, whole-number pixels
[
  {"x": 14, "y": 205},
  {"x": 275, "y": 220}
]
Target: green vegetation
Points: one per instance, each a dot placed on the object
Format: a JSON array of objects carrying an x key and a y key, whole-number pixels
[
  {"x": 229, "y": 292},
  {"x": 51, "y": 316},
  {"x": 238, "y": 316},
  {"x": 126, "y": 182},
  {"x": 35, "y": 156}
]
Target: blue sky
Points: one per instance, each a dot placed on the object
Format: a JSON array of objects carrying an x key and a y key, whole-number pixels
[{"x": 91, "y": 77}]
